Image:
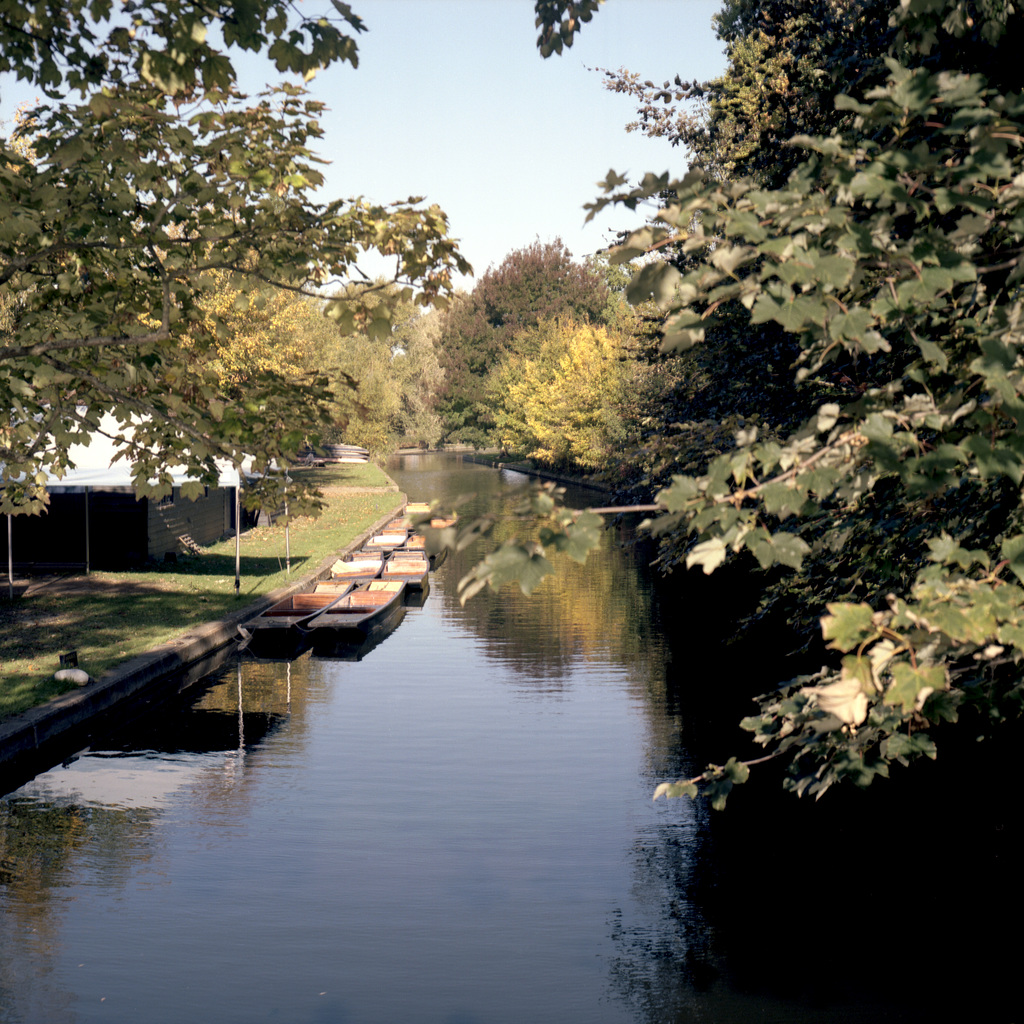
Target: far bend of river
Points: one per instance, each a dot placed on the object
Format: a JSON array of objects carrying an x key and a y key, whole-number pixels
[{"x": 458, "y": 829}]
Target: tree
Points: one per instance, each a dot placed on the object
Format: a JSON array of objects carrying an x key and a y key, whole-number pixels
[
  {"x": 788, "y": 60},
  {"x": 895, "y": 249},
  {"x": 563, "y": 405},
  {"x": 531, "y": 284},
  {"x": 369, "y": 398},
  {"x": 161, "y": 185},
  {"x": 421, "y": 378},
  {"x": 254, "y": 332}
]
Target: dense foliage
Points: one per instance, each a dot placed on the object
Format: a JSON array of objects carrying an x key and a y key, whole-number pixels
[
  {"x": 560, "y": 397},
  {"x": 538, "y": 282},
  {"x": 142, "y": 187},
  {"x": 891, "y": 252},
  {"x": 860, "y": 264},
  {"x": 394, "y": 377},
  {"x": 838, "y": 279}
]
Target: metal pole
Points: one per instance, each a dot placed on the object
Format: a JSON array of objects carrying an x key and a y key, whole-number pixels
[
  {"x": 238, "y": 532},
  {"x": 287, "y": 530},
  {"x": 10, "y": 560},
  {"x": 87, "y": 531}
]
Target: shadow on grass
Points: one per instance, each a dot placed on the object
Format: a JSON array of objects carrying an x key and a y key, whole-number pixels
[
  {"x": 212, "y": 564},
  {"x": 159, "y": 578},
  {"x": 109, "y": 617}
]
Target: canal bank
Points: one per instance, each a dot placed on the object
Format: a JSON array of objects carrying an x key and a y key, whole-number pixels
[
  {"x": 528, "y": 469},
  {"x": 42, "y": 736}
]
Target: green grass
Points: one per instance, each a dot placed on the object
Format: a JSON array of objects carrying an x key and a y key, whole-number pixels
[{"x": 123, "y": 614}]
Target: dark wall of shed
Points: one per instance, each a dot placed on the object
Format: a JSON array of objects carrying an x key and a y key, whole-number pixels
[
  {"x": 205, "y": 520},
  {"x": 56, "y": 538},
  {"x": 123, "y": 531}
]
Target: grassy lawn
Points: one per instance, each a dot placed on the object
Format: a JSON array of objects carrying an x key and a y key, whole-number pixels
[
  {"x": 123, "y": 614},
  {"x": 354, "y": 474}
]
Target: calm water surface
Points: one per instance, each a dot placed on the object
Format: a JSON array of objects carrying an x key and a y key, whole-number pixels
[{"x": 456, "y": 829}]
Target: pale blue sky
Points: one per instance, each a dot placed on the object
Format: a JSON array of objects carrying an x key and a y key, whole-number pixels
[{"x": 452, "y": 101}]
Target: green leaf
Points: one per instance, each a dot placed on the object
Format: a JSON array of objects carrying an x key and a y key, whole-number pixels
[
  {"x": 682, "y": 491},
  {"x": 584, "y": 536},
  {"x": 675, "y": 789},
  {"x": 720, "y": 785},
  {"x": 709, "y": 555},
  {"x": 910, "y": 685},
  {"x": 788, "y": 549},
  {"x": 657, "y": 281},
  {"x": 736, "y": 771},
  {"x": 848, "y": 625},
  {"x": 783, "y": 499},
  {"x": 729, "y": 258},
  {"x": 1012, "y": 549},
  {"x": 945, "y": 550},
  {"x": 902, "y": 747},
  {"x": 511, "y": 563},
  {"x": 795, "y": 314}
]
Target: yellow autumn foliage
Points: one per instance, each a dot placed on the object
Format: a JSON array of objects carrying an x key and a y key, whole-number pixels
[
  {"x": 563, "y": 403},
  {"x": 251, "y": 333}
]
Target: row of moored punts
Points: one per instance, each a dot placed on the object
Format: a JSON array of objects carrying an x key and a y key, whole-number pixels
[{"x": 362, "y": 602}]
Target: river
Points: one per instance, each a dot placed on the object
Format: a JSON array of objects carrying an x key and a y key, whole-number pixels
[{"x": 458, "y": 829}]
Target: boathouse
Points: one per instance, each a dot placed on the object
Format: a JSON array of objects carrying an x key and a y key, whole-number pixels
[{"x": 94, "y": 520}]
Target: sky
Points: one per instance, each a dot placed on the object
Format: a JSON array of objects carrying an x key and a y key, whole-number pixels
[{"x": 452, "y": 101}]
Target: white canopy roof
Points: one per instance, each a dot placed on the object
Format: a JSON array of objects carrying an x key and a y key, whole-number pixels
[{"x": 94, "y": 465}]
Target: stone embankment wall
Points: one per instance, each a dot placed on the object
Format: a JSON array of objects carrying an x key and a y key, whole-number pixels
[{"x": 40, "y": 738}]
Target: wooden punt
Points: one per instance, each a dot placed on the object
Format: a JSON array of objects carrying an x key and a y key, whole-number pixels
[
  {"x": 339, "y": 587},
  {"x": 441, "y": 523},
  {"x": 438, "y": 558},
  {"x": 364, "y": 612},
  {"x": 356, "y": 651},
  {"x": 417, "y": 598},
  {"x": 344, "y": 453},
  {"x": 345, "y": 449},
  {"x": 278, "y": 630},
  {"x": 417, "y": 545},
  {"x": 386, "y": 541},
  {"x": 414, "y": 553},
  {"x": 417, "y": 508},
  {"x": 413, "y": 569},
  {"x": 360, "y": 569}
]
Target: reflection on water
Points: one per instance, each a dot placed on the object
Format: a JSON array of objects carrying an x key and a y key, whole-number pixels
[{"x": 456, "y": 827}]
